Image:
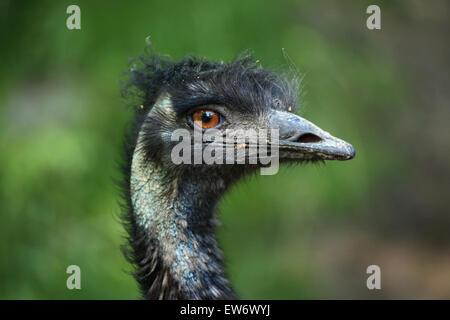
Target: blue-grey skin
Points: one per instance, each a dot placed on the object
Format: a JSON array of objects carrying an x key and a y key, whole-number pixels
[{"x": 179, "y": 216}]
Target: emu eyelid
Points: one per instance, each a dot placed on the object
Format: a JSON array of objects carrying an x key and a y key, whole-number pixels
[{"x": 207, "y": 117}]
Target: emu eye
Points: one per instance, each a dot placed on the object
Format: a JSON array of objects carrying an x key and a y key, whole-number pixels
[{"x": 206, "y": 118}]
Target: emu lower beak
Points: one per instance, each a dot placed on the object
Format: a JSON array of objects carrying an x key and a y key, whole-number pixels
[{"x": 303, "y": 140}]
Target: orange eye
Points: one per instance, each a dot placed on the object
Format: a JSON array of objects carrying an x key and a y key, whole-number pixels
[{"x": 206, "y": 118}]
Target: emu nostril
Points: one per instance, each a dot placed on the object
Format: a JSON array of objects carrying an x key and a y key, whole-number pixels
[{"x": 308, "y": 138}]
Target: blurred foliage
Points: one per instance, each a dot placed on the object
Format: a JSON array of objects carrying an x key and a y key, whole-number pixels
[{"x": 62, "y": 121}]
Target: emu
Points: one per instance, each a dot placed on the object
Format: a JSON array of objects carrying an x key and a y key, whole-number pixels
[{"x": 170, "y": 209}]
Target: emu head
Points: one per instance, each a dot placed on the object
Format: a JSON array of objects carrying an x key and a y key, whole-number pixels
[{"x": 201, "y": 96}]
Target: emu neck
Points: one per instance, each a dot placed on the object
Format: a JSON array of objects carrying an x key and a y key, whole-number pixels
[{"x": 176, "y": 214}]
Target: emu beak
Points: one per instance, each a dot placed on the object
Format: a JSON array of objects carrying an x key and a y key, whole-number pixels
[{"x": 303, "y": 140}]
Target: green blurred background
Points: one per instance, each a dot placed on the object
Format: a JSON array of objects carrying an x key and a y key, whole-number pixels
[{"x": 307, "y": 232}]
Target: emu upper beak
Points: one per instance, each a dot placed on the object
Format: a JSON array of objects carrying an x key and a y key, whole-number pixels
[{"x": 301, "y": 139}]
